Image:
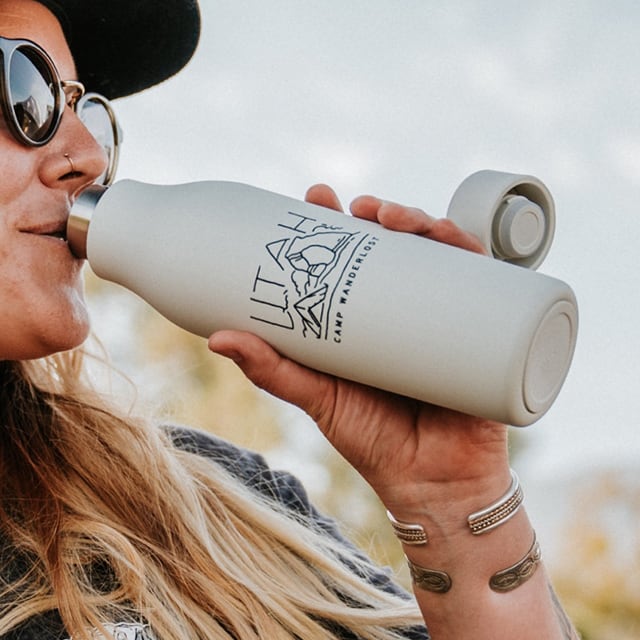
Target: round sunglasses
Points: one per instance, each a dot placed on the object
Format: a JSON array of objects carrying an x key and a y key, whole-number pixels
[{"x": 33, "y": 99}]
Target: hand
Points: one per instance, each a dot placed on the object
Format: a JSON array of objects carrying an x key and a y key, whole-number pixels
[{"x": 404, "y": 448}]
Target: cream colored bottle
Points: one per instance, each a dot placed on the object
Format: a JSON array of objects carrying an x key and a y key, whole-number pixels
[{"x": 342, "y": 295}]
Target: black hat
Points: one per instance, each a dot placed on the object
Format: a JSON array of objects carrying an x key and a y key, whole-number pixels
[{"x": 121, "y": 47}]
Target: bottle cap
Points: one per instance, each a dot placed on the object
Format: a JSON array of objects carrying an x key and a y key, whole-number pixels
[{"x": 513, "y": 215}]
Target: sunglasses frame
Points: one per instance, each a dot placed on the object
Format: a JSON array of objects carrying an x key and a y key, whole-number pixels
[
  {"x": 114, "y": 157},
  {"x": 69, "y": 92},
  {"x": 8, "y": 48}
]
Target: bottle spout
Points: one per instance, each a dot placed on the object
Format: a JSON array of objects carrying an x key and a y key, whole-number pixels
[{"x": 80, "y": 219}]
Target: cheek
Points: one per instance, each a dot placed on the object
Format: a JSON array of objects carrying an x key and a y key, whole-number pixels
[
  {"x": 42, "y": 307},
  {"x": 17, "y": 170}
]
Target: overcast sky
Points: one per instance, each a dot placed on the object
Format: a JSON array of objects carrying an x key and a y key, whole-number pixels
[{"x": 404, "y": 99}]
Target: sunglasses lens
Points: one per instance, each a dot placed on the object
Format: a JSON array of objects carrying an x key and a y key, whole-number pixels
[
  {"x": 32, "y": 94},
  {"x": 95, "y": 115}
]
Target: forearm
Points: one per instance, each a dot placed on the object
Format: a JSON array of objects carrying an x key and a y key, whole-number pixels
[{"x": 470, "y": 608}]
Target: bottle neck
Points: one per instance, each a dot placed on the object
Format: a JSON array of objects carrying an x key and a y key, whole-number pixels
[{"x": 80, "y": 219}]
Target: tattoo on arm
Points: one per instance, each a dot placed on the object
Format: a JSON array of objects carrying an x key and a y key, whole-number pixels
[{"x": 568, "y": 630}]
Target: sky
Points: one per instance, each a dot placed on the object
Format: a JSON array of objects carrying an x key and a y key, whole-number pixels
[{"x": 406, "y": 98}]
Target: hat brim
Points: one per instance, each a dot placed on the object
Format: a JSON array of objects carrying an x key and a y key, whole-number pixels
[{"x": 121, "y": 47}]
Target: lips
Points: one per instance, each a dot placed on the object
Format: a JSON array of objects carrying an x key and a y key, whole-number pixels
[{"x": 53, "y": 229}]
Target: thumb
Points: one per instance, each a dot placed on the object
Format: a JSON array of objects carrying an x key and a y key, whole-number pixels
[{"x": 311, "y": 390}]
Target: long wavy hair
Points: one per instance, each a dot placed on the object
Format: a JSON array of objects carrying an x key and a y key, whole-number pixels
[{"x": 111, "y": 522}]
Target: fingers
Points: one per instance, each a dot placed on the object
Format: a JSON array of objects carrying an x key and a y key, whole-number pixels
[
  {"x": 398, "y": 218},
  {"x": 413, "y": 220},
  {"x": 391, "y": 215},
  {"x": 324, "y": 196}
]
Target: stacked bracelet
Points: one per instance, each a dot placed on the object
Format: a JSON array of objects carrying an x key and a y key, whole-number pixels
[{"x": 479, "y": 522}]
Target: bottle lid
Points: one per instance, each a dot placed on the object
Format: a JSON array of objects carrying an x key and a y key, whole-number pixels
[{"x": 513, "y": 215}]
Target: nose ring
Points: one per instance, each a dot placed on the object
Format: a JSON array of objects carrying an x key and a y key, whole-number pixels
[{"x": 68, "y": 157}]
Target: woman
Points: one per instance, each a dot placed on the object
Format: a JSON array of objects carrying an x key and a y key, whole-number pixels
[{"x": 114, "y": 527}]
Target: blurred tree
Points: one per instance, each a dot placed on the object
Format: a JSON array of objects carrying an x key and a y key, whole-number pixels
[
  {"x": 598, "y": 578},
  {"x": 175, "y": 375}
]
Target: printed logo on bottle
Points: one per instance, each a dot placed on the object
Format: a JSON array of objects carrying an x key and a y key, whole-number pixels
[{"x": 306, "y": 276}]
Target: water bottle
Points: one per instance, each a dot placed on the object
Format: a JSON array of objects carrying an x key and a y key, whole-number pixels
[{"x": 483, "y": 336}]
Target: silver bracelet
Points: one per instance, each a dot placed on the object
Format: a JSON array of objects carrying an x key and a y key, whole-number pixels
[
  {"x": 479, "y": 522},
  {"x": 407, "y": 533},
  {"x": 512, "y": 577},
  {"x": 438, "y": 581},
  {"x": 429, "y": 579},
  {"x": 500, "y": 511}
]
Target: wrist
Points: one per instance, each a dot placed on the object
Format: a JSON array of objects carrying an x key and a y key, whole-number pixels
[
  {"x": 442, "y": 508},
  {"x": 470, "y": 545},
  {"x": 485, "y": 566}
]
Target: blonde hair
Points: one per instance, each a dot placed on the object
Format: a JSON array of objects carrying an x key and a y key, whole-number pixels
[{"x": 116, "y": 524}]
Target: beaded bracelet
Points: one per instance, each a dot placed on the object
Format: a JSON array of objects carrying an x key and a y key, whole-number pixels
[
  {"x": 479, "y": 522},
  {"x": 500, "y": 511},
  {"x": 408, "y": 533}
]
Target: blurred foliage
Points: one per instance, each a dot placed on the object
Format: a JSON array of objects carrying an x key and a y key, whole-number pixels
[
  {"x": 598, "y": 579},
  {"x": 175, "y": 374}
]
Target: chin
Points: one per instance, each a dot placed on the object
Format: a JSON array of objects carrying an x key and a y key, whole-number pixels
[
  {"x": 65, "y": 343},
  {"x": 71, "y": 333},
  {"x": 49, "y": 344},
  {"x": 41, "y": 325},
  {"x": 62, "y": 332}
]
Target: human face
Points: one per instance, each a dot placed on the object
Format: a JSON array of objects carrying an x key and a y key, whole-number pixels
[{"x": 42, "y": 307}]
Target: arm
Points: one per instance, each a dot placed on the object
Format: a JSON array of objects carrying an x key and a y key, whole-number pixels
[{"x": 429, "y": 466}]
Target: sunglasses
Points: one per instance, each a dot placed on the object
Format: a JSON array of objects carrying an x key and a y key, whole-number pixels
[{"x": 33, "y": 99}]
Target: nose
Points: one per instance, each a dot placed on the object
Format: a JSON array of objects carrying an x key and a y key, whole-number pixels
[{"x": 74, "y": 158}]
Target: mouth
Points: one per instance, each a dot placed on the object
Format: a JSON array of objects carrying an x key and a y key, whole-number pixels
[
  {"x": 55, "y": 229},
  {"x": 58, "y": 233}
]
